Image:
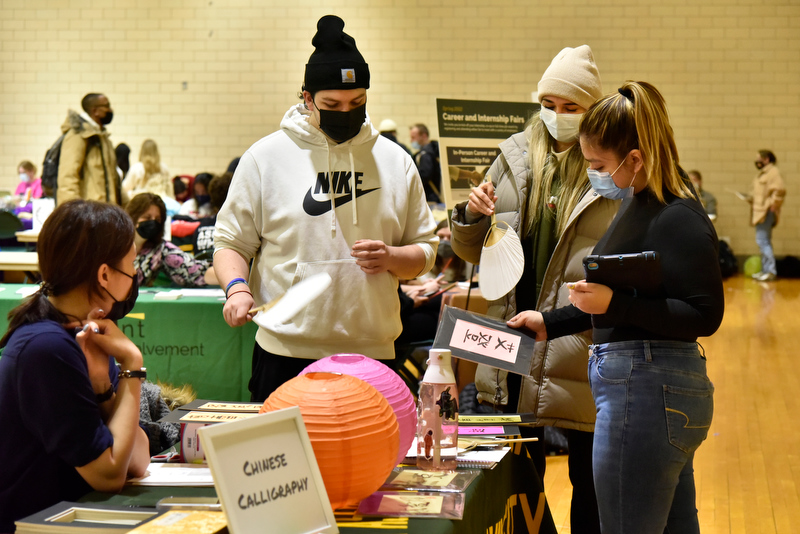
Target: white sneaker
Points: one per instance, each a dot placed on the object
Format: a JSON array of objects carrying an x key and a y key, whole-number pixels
[{"x": 764, "y": 277}]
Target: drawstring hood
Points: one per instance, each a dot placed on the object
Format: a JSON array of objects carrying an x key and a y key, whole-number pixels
[
  {"x": 295, "y": 124},
  {"x": 330, "y": 189},
  {"x": 353, "y": 185},
  {"x": 353, "y": 195}
]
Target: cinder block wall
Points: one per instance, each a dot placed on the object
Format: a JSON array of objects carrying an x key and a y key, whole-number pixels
[{"x": 207, "y": 78}]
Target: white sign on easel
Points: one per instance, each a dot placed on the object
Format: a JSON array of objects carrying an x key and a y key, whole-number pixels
[
  {"x": 41, "y": 208},
  {"x": 265, "y": 473}
]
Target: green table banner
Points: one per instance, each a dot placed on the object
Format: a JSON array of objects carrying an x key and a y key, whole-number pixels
[{"x": 183, "y": 341}]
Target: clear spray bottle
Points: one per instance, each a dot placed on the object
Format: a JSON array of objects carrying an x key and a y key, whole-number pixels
[{"x": 437, "y": 415}]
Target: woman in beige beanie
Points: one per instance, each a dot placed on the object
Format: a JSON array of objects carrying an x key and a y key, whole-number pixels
[{"x": 540, "y": 188}]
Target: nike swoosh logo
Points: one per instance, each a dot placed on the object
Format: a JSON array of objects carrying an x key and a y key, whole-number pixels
[{"x": 317, "y": 207}]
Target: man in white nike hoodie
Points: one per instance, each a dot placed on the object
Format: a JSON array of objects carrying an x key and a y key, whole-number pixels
[{"x": 326, "y": 193}]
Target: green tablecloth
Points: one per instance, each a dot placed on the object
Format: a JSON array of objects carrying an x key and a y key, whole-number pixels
[
  {"x": 183, "y": 341},
  {"x": 507, "y": 499}
]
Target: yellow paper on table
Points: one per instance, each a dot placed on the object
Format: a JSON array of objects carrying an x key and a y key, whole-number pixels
[{"x": 184, "y": 522}]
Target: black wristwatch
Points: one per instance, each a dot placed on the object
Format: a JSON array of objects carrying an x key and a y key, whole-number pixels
[{"x": 141, "y": 373}]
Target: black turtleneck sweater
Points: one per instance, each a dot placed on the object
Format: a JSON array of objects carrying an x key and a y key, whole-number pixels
[{"x": 690, "y": 300}]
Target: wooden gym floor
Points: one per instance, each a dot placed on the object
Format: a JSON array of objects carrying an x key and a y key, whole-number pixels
[{"x": 748, "y": 470}]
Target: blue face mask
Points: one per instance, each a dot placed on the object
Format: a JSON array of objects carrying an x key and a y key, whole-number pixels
[
  {"x": 603, "y": 184},
  {"x": 415, "y": 145}
]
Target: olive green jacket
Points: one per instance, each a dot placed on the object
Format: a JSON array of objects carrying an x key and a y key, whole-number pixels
[{"x": 87, "y": 166}]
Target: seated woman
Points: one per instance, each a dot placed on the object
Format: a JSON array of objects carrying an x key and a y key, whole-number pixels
[
  {"x": 203, "y": 237},
  {"x": 182, "y": 187},
  {"x": 149, "y": 174},
  {"x": 199, "y": 205},
  {"x": 70, "y": 416},
  {"x": 29, "y": 186},
  {"x": 154, "y": 255}
]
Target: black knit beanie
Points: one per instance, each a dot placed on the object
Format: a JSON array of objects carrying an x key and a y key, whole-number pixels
[{"x": 336, "y": 62}]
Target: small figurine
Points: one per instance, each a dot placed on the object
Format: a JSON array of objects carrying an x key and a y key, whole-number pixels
[
  {"x": 429, "y": 445},
  {"x": 447, "y": 405}
]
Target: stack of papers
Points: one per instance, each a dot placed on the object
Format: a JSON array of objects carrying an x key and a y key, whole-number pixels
[{"x": 159, "y": 474}]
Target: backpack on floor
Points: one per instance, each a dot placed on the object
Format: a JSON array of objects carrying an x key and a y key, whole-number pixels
[{"x": 728, "y": 265}]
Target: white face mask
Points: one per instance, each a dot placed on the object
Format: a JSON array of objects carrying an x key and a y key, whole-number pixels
[
  {"x": 562, "y": 126},
  {"x": 23, "y": 177}
]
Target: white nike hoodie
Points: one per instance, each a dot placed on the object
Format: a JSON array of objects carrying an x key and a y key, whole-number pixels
[{"x": 282, "y": 212}]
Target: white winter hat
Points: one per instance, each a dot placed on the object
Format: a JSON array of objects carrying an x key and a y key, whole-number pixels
[
  {"x": 387, "y": 125},
  {"x": 572, "y": 75}
]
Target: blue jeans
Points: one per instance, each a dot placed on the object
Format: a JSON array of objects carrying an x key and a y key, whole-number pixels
[
  {"x": 764, "y": 242},
  {"x": 654, "y": 407}
]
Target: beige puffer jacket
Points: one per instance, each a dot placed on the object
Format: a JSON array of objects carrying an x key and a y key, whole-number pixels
[{"x": 557, "y": 390}]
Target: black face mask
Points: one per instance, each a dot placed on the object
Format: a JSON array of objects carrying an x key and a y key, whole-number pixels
[
  {"x": 149, "y": 230},
  {"x": 342, "y": 125},
  {"x": 759, "y": 164},
  {"x": 202, "y": 199},
  {"x": 121, "y": 308},
  {"x": 108, "y": 118}
]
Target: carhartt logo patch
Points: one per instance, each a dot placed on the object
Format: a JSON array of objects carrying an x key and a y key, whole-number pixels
[{"x": 348, "y": 76}]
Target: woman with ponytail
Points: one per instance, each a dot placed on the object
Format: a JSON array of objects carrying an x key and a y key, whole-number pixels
[
  {"x": 647, "y": 372},
  {"x": 540, "y": 188},
  {"x": 70, "y": 415}
]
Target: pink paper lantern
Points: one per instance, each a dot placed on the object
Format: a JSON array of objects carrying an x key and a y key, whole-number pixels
[{"x": 384, "y": 380}]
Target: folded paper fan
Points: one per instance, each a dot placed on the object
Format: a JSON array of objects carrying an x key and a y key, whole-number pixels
[
  {"x": 282, "y": 309},
  {"x": 502, "y": 260}
]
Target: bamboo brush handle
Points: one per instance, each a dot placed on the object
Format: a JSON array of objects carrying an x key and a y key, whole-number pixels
[{"x": 488, "y": 179}]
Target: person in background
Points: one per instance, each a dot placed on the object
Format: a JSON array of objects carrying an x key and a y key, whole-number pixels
[
  {"x": 232, "y": 166},
  {"x": 708, "y": 200},
  {"x": 325, "y": 194},
  {"x": 540, "y": 188},
  {"x": 388, "y": 129},
  {"x": 203, "y": 238},
  {"x": 182, "y": 187},
  {"x": 419, "y": 310},
  {"x": 87, "y": 166},
  {"x": 148, "y": 175},
  {"x": 427, "y": 159},
  {"x": 28, "y": 189},
  {"x": 123, "y": 153},
  {"x": 30, "y": 186},
  {"x": 647, "y": 372},
  {"x": 766, "y": 198},
  {"x": 69, "y": 378},
  {"x": 154, "y": 255},
  {"x": 199, "y": 205}
]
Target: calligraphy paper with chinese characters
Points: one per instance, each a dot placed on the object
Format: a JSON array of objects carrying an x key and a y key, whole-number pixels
[{"x": 482, "y": 339}]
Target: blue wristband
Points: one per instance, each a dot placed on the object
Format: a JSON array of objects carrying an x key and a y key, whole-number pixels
[{"x": 233, "y": 283}]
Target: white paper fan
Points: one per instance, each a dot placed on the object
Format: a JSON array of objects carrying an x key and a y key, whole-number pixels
[
  {"x": 282, "y": 309},
  {"x": 502, "y": 262}
]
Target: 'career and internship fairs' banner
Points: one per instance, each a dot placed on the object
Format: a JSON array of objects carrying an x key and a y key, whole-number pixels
[{"x": 469, "y": 134}]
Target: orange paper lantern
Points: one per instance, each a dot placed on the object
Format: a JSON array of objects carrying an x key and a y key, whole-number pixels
[
  {"x": 384, "y": 380},
  {"x": 352, "y": 428}
]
